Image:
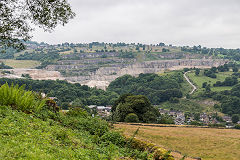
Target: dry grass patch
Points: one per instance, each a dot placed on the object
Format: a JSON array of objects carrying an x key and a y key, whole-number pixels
[
  {"x": 21, "y": 63},
  {"x": 207, "y": 143}
]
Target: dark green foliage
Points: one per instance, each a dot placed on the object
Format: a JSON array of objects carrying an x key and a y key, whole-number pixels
[
  {"x": 237, "y": 126},
  {"x": 235, "y": 118},
  {"x": 196, "y": 123},
  {"x": 223, "y": 68},
  {"x": 165, "y": 50},
  {"x": 204, "y": 84},
  {"x": 216, "y": 125},
  {"x": 210, "y": 73},
  {"x": 231, "y": 105},
  {"x": 174, "y": 100},
  {"x": 230, "y": 100},
  {"x": 186, "y": 69},
  {"x": 157, "y": 88},
  {"x": 4, "y": 66},
  {"x": 235, "y": 69},
  {"x": 18, "y": 18},
  {"x": 236, "y": 90},
  {"x": 165, "y": 119},
  {"x": 229, "y": 81},
  {"x": 39, "y": 56},
  {"x": 197, "y": 71},
  {"x": 137, "y": 104},
  {"x": 7, "y": 53},
  {"x": 126, "y": 55},
  {"x": 66, "y": 92},
  {"x": 131, "y": 117}
]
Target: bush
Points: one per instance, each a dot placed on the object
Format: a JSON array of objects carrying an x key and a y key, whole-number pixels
[
  {"x": 237, "y": 126},
  {"x": 20, "y": 99},
  {"x": 131, "y": 117},
  {"x": 113, "y": 137}
]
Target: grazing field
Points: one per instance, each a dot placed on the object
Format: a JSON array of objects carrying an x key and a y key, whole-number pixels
[
  {"x": 21, "y": 63},
  {"x": 200, "y": 79},
  {"x": 207, "y": 143}
]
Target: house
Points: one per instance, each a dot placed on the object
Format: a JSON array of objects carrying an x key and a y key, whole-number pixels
[
  {"x": 180, "y": 119},
  {"x": 227, "y": 119},
  {"x": 92, "y": 106},
  {"x": 204, "y": 118},
  {"x": 163, "y": 111}
]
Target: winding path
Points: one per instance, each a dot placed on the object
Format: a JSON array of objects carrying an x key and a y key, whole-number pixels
[{"x": 194, "y": 87}]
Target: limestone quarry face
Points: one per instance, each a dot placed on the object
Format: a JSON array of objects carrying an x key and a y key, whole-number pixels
[
  {"x": 102, "y": 77},
  {"x": 36, "y": 74}
]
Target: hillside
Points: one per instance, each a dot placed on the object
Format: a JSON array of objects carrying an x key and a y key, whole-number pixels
[
  {"x": 33, "y": 128},
  {"x": 98, "y": 64}
]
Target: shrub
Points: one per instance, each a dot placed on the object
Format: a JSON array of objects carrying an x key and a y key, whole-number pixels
[
  {"x": 237, "y": 126},
  {"x": 131, "y": 117},
  {"x": 20, "y": 99},
  {"x": 113, "y": 137},
  {"x": 77, "y": 112}
]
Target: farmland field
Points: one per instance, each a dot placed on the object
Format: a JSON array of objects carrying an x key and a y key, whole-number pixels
[
  {"x": 21, "y": 63},
  {"x": 200, "y": 79},
  {"x": 207, "y": 143}
]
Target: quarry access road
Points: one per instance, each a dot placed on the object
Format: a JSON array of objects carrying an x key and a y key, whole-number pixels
[{"x": 194, "y": 87}]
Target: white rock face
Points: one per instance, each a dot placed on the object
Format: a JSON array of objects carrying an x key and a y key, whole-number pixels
[
  {"x": 104, "y": 75},
  {"x": 35, "y": 74}
]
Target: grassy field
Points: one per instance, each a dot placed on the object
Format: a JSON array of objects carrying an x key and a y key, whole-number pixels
[
  {"x": 207, "y": 143},
  {"x": 183, "y": 105},
  {"x": 200, "y": 79},
  {"x": 21, "y": 63}
]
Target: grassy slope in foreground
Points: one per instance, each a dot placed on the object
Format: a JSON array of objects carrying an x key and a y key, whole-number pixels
[
  {"x": 207, "y": 143},
  {"x": 24, "y": 137}
]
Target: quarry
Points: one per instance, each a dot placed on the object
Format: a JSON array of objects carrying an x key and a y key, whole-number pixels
[{"x": 102, "y": 76}]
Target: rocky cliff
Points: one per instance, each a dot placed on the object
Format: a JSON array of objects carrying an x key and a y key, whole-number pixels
[{"x": 104, "y": 75}]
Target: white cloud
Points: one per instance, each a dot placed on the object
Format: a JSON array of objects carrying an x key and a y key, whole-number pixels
[{"x": 180, "y": 22}]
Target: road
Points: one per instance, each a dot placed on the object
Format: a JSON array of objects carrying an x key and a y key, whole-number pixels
[{"x": 193, "y": 86}]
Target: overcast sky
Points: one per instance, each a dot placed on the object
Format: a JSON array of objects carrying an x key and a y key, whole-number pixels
[{"x": 211, "y": 23}]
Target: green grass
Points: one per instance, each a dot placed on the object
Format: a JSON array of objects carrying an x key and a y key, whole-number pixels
[
  {"x": 200, "y": 79},
  {"x": 21, "y": 63},
  {"x": 45, "y": 133},
  {"x": 25, "y": 137},
  {"x": 183, "y": 105}
]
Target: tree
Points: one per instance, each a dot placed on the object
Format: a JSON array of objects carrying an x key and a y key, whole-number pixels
[
  {"x": 197, "y": 71},
  {"x": 235, "y": 69},
  {"x": 137, "y": 104},
  {"x": 131, "y": 117},
  {"x": 204, "y": 84},
  {"x": 17, "y": 18},
  {"x": 235, "y": 118}
]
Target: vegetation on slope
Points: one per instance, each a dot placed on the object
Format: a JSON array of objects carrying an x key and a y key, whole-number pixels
[
  {"x": 157, "y": 88},
  {"x": 67, "y": 92},
  {"x": 33, "y": 129}
]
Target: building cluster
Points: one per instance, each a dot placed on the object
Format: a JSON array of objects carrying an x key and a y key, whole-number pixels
[
  {"x": 103, "y": 111},
  {"x": 180, "y": 118}
]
